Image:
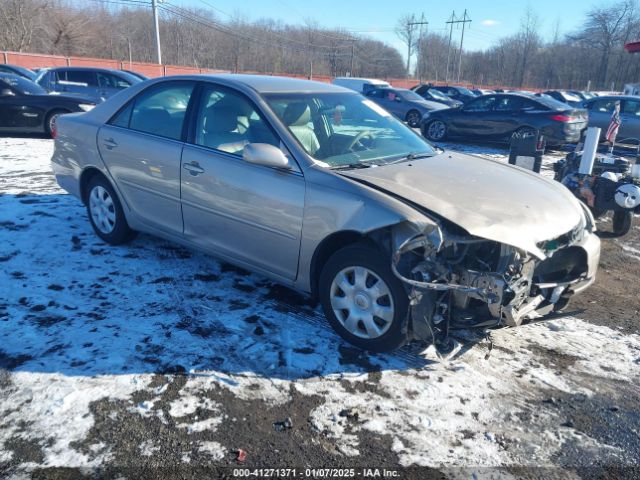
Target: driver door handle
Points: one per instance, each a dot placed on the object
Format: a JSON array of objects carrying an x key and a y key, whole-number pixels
[
  {"x": 110, "y": 143},
  {"x": 193, "y": 168}
]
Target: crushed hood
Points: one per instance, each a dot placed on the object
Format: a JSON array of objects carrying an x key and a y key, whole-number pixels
[{"x": 487, "y": 198}]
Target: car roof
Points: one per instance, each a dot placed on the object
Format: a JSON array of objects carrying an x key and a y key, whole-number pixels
[
  {"x": 614, "y": 97},
  {"x": 10, "y": 75},
  {"x": 267, "y": 83}
]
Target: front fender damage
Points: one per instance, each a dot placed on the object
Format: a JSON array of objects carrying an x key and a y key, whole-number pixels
[{"x": 455, "y": 280}]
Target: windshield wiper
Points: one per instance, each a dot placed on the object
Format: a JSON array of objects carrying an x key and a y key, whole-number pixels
[
  {"x": 412, "y": 156},
  {"x": 348, "y": 166}
]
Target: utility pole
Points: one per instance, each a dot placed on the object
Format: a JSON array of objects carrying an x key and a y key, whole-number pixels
[
  {"x": 464, "y": 23},
  {"x": 353, "y": 55},
  {"x": 420, "y": 23},
  {"x": 154, "y": 8},
  {"x": 451, "y": 21}
]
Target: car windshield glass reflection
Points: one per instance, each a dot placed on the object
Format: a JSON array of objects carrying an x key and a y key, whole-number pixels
[
  {"x": 341, "y": 129},
  {"x": 24, "y": 86}
]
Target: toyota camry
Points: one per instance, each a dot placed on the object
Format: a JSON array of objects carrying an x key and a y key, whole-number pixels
[{"x": 321, "y": 189}]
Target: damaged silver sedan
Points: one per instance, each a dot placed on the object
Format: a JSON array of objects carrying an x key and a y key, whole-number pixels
[{"x": 324, "y": 191}]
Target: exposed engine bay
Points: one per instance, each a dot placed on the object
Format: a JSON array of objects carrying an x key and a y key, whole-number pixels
[{"x": 461, "y": 281}]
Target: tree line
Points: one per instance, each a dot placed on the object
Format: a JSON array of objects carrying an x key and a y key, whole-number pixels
[
  {"x": 123, "y": 29},
  {"x": 592, "y": 56}
]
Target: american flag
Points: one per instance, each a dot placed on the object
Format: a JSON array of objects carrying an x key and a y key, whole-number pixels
[{"x": 612, "y": 131}]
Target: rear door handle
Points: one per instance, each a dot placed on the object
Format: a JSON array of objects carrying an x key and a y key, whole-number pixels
[
  {"x": 193, "y": 168},
  {"x": 110, "y": 143}
]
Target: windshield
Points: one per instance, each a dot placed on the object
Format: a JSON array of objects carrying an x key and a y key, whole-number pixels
[
  {"x": 438, "y": 95},
  {"x": 552, "y": 103},
  {"x": 466, "y": 91},
  {"x": 22, "y": 85},
  {"x": 342, "y": 129}
]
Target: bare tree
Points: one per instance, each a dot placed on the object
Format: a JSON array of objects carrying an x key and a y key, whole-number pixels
[{"x": 406, "y": 31}]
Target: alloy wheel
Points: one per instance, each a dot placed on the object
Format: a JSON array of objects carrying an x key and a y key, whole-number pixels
[{"x": 436, "y": 130}]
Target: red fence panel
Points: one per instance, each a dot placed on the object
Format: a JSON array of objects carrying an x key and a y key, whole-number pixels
[
  {"x": 32, "y": 60},
  {"x": 93, "y": 62}
]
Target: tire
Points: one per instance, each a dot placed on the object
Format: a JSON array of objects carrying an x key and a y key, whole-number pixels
[
  {"x": 622, "y": 221},
  {"x": 105, "y": 212},
  {"x": 413, "y": 118},
  {"x": 354, "y": 274},
  {"x": 435, "y": 130},
  {"x": 50, "y": 120}
]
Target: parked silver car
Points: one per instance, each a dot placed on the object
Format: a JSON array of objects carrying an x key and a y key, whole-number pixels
[
  {"x": 404, "y": 104},
  {"x": 95, "y": 84},
  {"x": 600, "y": 111},
  {"x": 319, "y": 188}
]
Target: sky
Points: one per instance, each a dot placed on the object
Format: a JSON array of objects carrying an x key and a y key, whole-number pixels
[{"x": 491, "y": 19}]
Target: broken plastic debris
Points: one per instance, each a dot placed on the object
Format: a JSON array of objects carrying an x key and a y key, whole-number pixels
[{"x": 242, "y": 455}]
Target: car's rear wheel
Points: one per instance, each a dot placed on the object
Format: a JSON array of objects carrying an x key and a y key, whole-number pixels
[
  {"x": 435, "y": 130},
  {"x": 105, "y": 212},
  {"x": 50, "y": 121},
  {"x": 362, "y": 299},
  {"x": 413, "y": 118},
  {"x": 524, "y": 132}
]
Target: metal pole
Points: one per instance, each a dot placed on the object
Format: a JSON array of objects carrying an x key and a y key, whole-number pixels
[
  {"x": 464, "y": 23},
  {"x": 154, "y": 7},
  {"x": 353, "y": 54},
  {"x": 453, "y": 18}
]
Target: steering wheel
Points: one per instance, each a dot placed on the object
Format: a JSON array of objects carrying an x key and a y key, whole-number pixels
[{"x": 358, "y": 138}]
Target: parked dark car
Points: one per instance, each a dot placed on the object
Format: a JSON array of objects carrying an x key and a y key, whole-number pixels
[
  {"x": 97, "y": 84},
  {"x": 482, "y": 91},
  {"x": 498, "y": 116},
  {"x": 429, "y": 93},
  {"x": 565, "y": 97},
  {"x": 582, "y": 94},
  {"x": 457, "y": 93},
  {"x": 404, "y": 104},
  {"x": 16, "y": 70},
  {"x": 26, "y": 107}
]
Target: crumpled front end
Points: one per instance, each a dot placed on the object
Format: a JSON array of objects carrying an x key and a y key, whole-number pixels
[{"x": 460, "y": 281}]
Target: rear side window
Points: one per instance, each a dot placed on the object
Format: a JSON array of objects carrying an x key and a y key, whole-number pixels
[
  {"x": 161, "y": 111},
  {"x": 631, "y": 107},
  {"x": 508, "y": 104},
  {"x": 107, "y": 80},
  {"x": 81, "y": 77}
]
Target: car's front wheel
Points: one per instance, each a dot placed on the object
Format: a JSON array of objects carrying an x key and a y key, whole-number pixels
[
  {"x": 435, "y": 130},
  {"x": 363, "y": 300},
  {"x": 105, "y": 212}
]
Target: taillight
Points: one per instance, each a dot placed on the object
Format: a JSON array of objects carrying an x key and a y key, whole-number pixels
[{"x": 561, "y": 118}]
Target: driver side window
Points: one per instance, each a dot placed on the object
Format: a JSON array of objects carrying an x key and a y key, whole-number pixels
[
  {"x": 227, "y": 121},
  {"x": 484, "y": 104}
]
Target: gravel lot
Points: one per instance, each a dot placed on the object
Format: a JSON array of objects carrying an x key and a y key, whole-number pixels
[{"x": 154, "y": 361}]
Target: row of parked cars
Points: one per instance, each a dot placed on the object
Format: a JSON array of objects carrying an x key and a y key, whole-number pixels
[
  {"x": 31, "y": 101},
  {"x": 443, "y": 112}
]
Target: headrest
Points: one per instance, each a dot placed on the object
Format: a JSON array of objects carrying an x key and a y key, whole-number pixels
[
  {"x": 220, "y": 119},
  {"x": 296, "y": 114}
]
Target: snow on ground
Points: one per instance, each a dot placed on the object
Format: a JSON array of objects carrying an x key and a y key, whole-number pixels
[{"x": 86, "y": 328}]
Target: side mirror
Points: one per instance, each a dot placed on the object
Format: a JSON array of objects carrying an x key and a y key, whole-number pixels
[
  {"x": 266, "y": 155},
  {"x": 7, "y": 92}
]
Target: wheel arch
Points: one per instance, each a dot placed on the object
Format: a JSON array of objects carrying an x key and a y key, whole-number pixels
[{"x": 85, "y": 177}]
